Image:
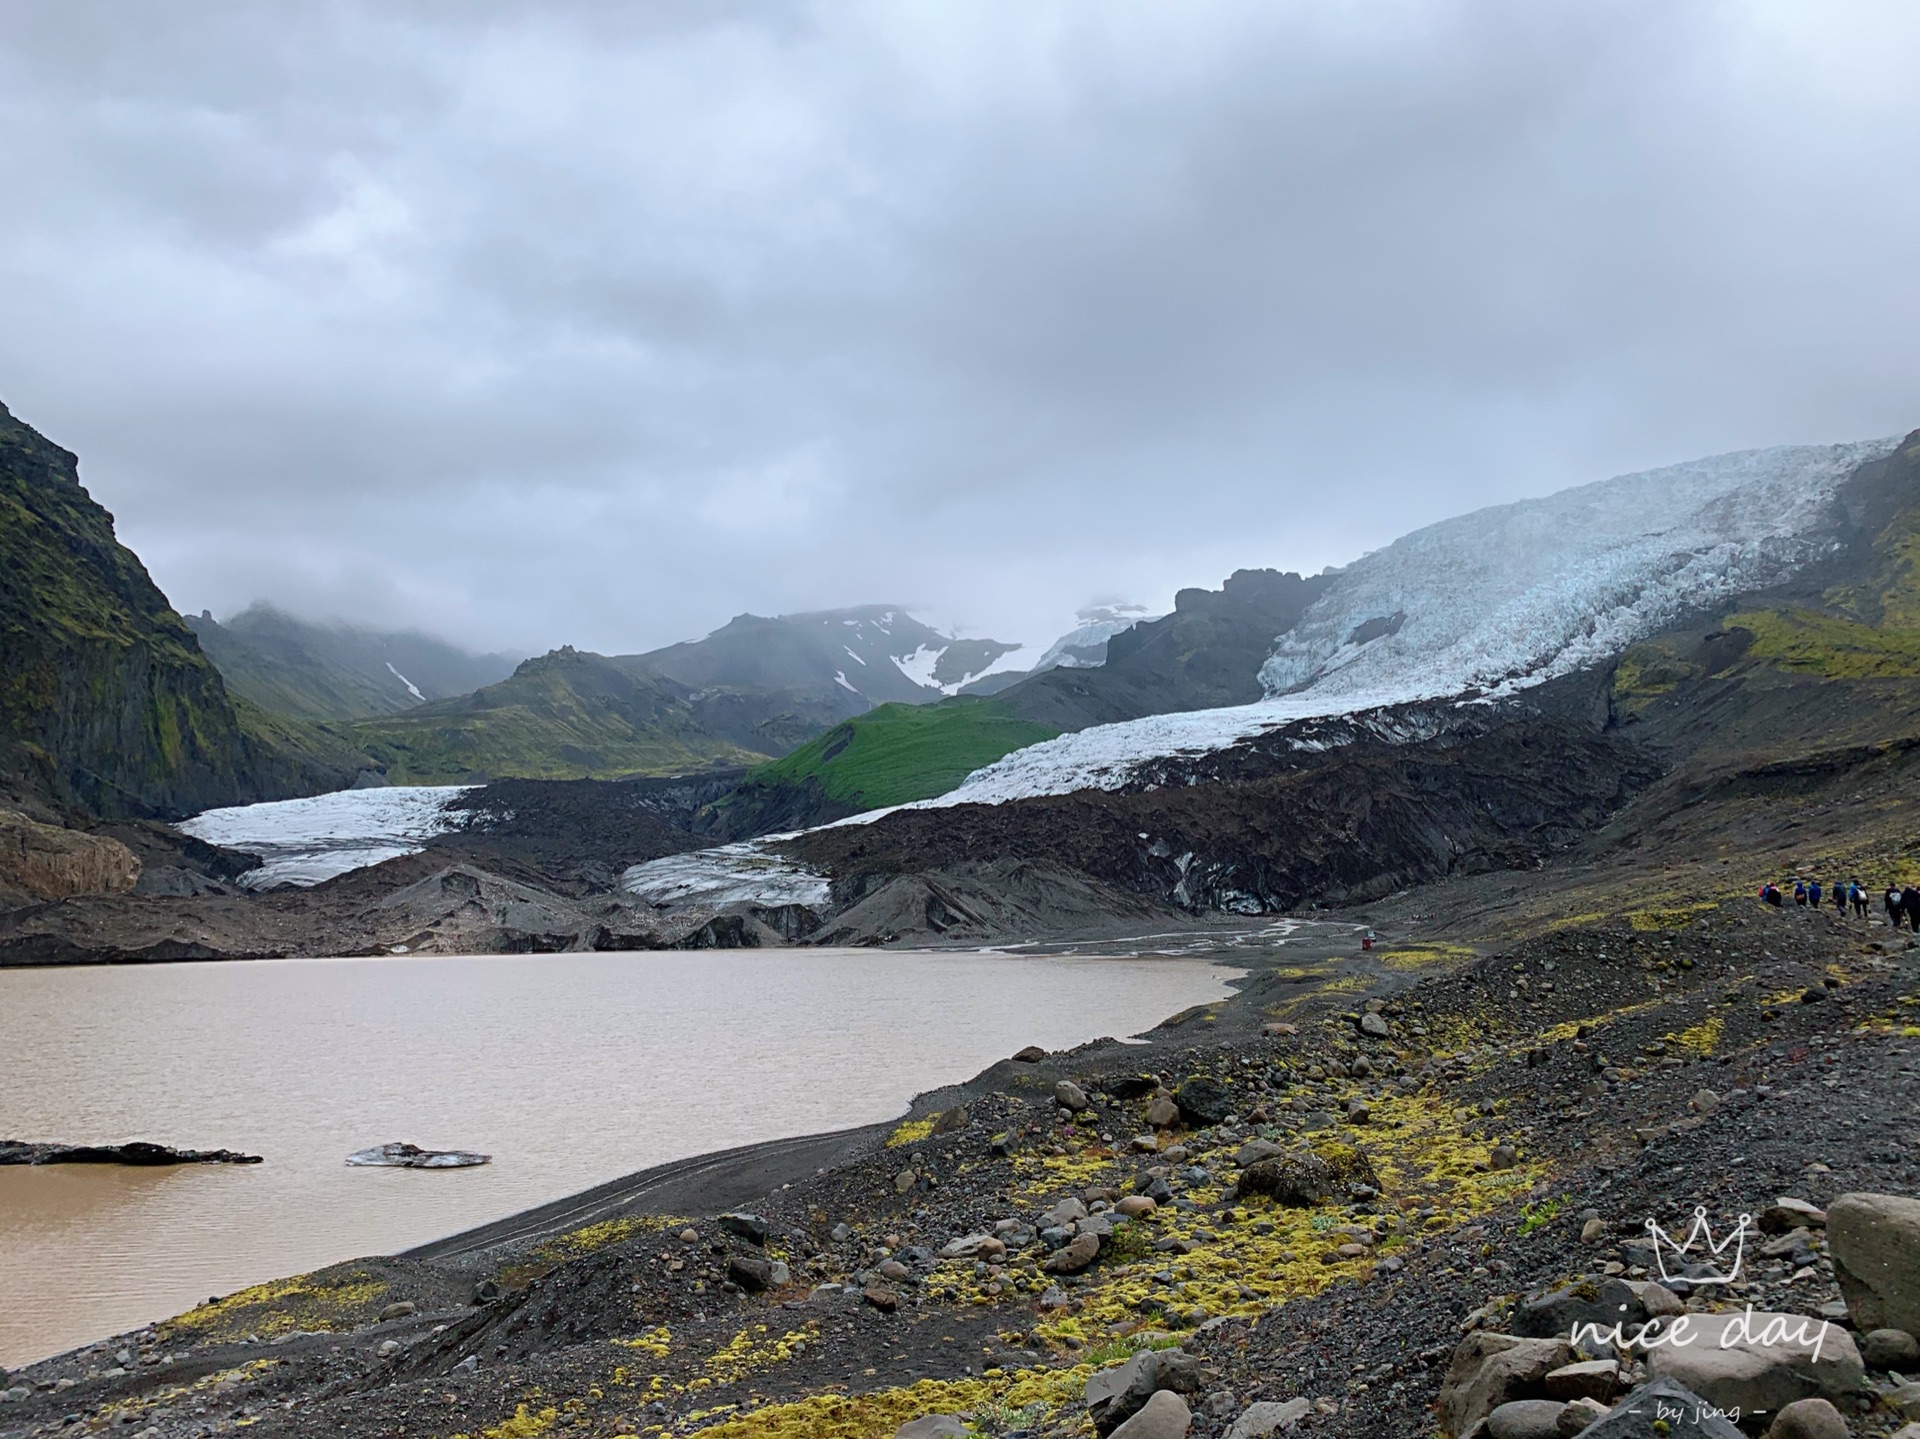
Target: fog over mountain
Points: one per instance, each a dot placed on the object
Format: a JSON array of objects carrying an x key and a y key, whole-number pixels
[{"x": 529, "y": 324}]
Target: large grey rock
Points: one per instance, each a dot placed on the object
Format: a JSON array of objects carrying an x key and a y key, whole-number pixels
[
  {"x": 1808, "y": 1419},
  {"x": 1578, "y": 1414},
  {"x": 1875, "y": 1243},
  {"x": 1526, "y": 1419},
  {"x": 1165, "y": 1416},
  {"x": 1603, "y": 1303},
  {"x": 1259, "y": 1420},
  {"x": 934, "y": 1426},
  {"x": 1255, "y": 1150},
  {"x": 1203, "y": 1102},
  {"x": 1681, "y": 1413},
  {"x": 1302, "y": 1179},
  {"x": 1117, "y": 1394},
  {"x": 1488, "y": 1370},
  {"x": 1075, "y": 1256},
  {"x": 1760, "y": 1362},
  {"x": 1890, "y": 1349},
  {"x": 1593, "y": 1379},
  {"x": 1069, "y": 1095}
]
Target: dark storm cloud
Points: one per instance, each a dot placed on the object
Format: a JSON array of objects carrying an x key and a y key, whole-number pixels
[{"x": 600, "y": 323}]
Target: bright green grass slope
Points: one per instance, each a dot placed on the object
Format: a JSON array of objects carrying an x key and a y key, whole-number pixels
[{"x": 890, "y": 755}]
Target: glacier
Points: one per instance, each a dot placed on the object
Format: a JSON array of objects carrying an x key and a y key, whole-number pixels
[
  {"x": 1490, "y": 603},
  {"x": 304, "y": 841}
]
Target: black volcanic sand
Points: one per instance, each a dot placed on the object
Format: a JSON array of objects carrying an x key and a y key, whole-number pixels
[{"x": 1586, "y": 1049}]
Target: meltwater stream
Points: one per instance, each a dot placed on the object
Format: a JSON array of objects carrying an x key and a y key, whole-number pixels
[{"x": 569, "y": 1069}]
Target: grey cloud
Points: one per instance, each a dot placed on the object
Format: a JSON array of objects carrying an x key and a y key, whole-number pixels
[{"x": 600, "y": 323}]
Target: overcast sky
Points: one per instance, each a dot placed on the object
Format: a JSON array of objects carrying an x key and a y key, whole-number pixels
[{"x": 534, "y": 323}]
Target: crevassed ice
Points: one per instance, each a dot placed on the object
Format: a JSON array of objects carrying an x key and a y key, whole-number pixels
[
  {"x": 1493, "y": 601},
  {"x": 727, "y": 875},
  {"x": 305, "y": 841}
]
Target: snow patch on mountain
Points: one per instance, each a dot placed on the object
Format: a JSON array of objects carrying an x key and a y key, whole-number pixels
[
  {"x": 1491, "y": 603},
  {"x": 1086, "y": 646}
]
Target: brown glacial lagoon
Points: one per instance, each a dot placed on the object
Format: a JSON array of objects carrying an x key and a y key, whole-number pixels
[{"x": 568, "y": 1069}]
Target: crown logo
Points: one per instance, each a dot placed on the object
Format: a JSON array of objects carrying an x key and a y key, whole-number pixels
[{"x": 1701, "y": 1249}]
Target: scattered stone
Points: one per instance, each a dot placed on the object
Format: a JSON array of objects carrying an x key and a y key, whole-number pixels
[
  {"x": 1203, "y": 1102},
  {"x": 904, "y": 1180},
  {"x": 974, "y": 1246},
  {"x": 1578, "y": 1414},
  {"x": 1165, "y": 1416},
  {"x": 1255, "y": 1150},
  {"x": 1787, "y": 1214},
  {"x": 1135, "y": 1206},
  {"x": 1605, "y": 1304},
  {"x": 388, "y": 1348},
  {"x": 1358, "y": 1111},
  {"x": 1118, "y": 1393},
  {"x": 1032, "y": 1054},
  {"x": 1297, "y": 1179},
  {"x": 1593, "y": 1231},
  {"x": 1259, "y": 1420},
  {"x": 1077, "y": 1255},
  {"x": 934, "y": 1426},
  {"x": 1488, "y": 1370},
  {"x": 753, "y": 1274},
  {"x": 1163, "y": 1113},
  {"x": 1874, "y": 1240},
  {"x": 1526, "y": 1419},
  {"x": 691, "y": 1235},
  {"x": 881, "y": 1298},
  {"x": 951, "y": 1121},
  {"x": 1591, "y": 1379},
  {"x": 1704, "y": 1102},
  {"x": 1502, "y": 1156},
  {"x": 893, "y": 1270},
  {"x": 750, "y": 1227},
  {"x": 1890, "y": 1349},
  {"x": 1375, "y": 1026},
  {"x": 1761, "y": 1361},
  {"x": 1808, "y": 1419},
  {"x": 1070, "y": 1096},
  {"x": 397, "y": 1311}
]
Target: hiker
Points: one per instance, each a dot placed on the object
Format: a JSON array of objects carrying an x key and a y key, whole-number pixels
[
  {"x": 1840, "y": 894},
  {"x": 1893, "y": 905},
  {"x": 1910, "y": 902},
  {"x": 1859, "y": 900},
  {"x": 1800, "y": 893},
  {"x": 1813, "y": 893},
  {"x": 1770, "y": 894},
  {"x": 1366, "y": 939}
]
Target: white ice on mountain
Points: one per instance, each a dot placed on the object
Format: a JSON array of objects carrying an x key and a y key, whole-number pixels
[
  {"x": 730, "y": 874},
  {"x": 305, "y": 841},
  {"x": 1491, "y": 602}
]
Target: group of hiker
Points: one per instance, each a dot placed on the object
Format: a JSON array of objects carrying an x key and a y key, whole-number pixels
[{"x": 1902, "y": 901}]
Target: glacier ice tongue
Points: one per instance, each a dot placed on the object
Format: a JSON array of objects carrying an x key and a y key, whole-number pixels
[{"x": 304, "y": 841}]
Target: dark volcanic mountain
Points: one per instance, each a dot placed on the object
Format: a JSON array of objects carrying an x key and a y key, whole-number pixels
[
  {"x": 106, "y": 701},
  {"x": 1204, "y": 655},
  {"x": 337, "y": 671}
]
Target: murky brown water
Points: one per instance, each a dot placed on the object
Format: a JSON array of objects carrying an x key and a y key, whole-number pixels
[{"x": 568, "y": 1069}]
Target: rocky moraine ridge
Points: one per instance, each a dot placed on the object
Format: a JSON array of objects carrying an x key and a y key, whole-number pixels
[{"x": 1377, "y": 1199}]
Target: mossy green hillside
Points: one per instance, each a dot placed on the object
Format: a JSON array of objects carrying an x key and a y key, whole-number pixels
[
  {"x": 565, "y": 715},
  {"x": 900, "y": 753},
  {"x": 106, "y": 701}
]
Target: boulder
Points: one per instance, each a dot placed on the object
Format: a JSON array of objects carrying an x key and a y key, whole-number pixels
[
  {"x": 750, "y": 1227},
  {"x": 1602, "y": 1303},
  {"x": 397, "y": 1311},
  {"x": 1808, "y": 1419},
  {"x": 1296, "y": 1179},
  {"x": 1165, "y": 1416},
  {"x": 1257, "y": 1421},
  {"x": 1203, "y": 1102},
  {"x": 1069, "y": 1095},
  {"x": 752, "y": 1274},
  {"x": 1890, "y": 1349},
  {"x": 1076, "y": 1256},
  {"x": 934, "y": 1426},
  {"x": 1759, "y": 1362},
  {"x": 1163, "y": 1113},
  {"x": 1488, "y": 1370},
  {"x": 1578, "y": 1414},
  {"x": 1032, "y": 1054},
  {"x": 1255, "y": 1150},
  {"x": 1117, "y": 1394},
  {"x": 1135, "y": 1206},
  {"x": 973, "y": 1246},
  {"x": 1875, "y": 1243},
  {"x": 1526, "y": 1419},
  {"x": 1680, "y": 1413},
  {"x": 1592, "y": 1379},
  {"x": 1375, "y": 1026},
  {"x": 881, "y": 1298},
  {"x": 1787, "y": 1214}
]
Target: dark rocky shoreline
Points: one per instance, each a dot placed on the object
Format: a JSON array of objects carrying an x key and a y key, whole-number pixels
[
  {"x": 1526, "y": 1110},
  {"x": 138, "y": 1153}
]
